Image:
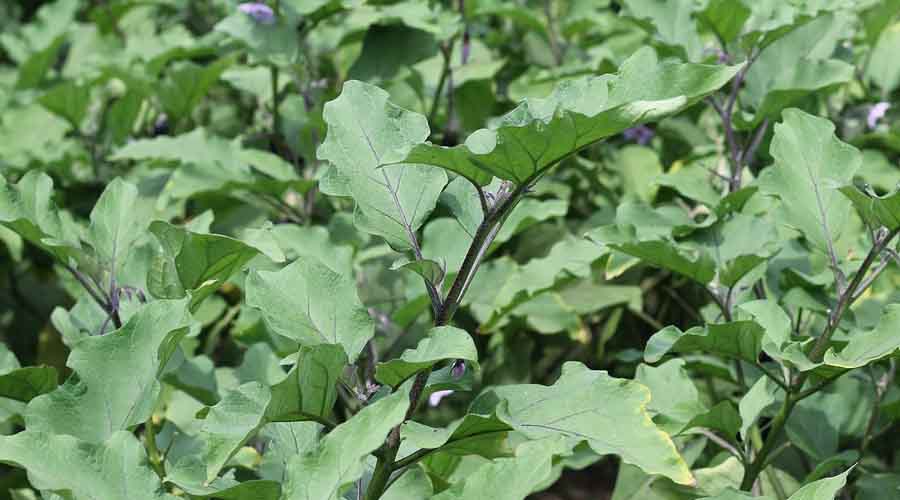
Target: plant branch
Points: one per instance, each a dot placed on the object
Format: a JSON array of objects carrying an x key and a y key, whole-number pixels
[
  {"x": 848, "y": 296},
  {"x": 715, "y": 438},
  {"x": 153, "y": 454},
  {"x": 481, "y": 242},
  {"x": 845, "y": 300},
  {"x": 881, "y": 387},
  {"x": 447, "y": 53}
]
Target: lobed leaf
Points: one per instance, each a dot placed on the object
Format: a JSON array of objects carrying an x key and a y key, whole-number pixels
[
  {"x": 541, "y": 132},
  {"x": 585, "y": 405}
]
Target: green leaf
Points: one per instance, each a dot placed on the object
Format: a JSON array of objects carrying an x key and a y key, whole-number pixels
[
  {"x": 739, "y": 244},
  {"x": 675, "y": 400},
  {"x": 33, "y": 71},
  {"x": 639, "y": 166},
  {"x": 503, "y": 286},
  {"x": 807, "y": 175},
  {"x": 508, "y": 478},
  {"x": 187, "y": 84},
  {"x": 194, "y": 264},
  {"x": 365, "y": 132},
  {"x": 28, "y": 209},
  {"x": 874, "y": 209},
  {"x": 796, "y": 65},
  {"x": 209, "y": 163},
  {"x": 725, "y": 17},
  {"x": 441, "y": 343},
  {"x": 777, "y": 326},
  {"x": 84, "y": 470},
  {"x": 23, "y": 384},
  {"x": 225, "y": 428},
  {"x": 426, "y": 268},
  {"x": 482, "y": 435},
  {"x": 723, "y": 417},
  {"x": 116, "y": 383},
  {"x": 673, "y": 23},
  {"x": 311, "y": 304},
  {"x": 116, "y": 223},
  {"x": 325, "y": 472},
  {"x": 763, "y": 395},
  {"x": 584, "y": 405},
  {"x": 867, "y": 347},
  {"x": 284, "y": 441},
  {"x": 539, "y": 133},
  {"x": 649, "y": 234},
  {"x": 880, "y": 68},
  {"x": 276, "y": 42},
  {"x": 823, "y": 489},
  {"x": 68, "y": 100},
  {"x": 738, "y": 339},
  {"x": 389, "y": 50},
  {"x": 693, "y": 182},
  {"x": 309, "y": 390}
]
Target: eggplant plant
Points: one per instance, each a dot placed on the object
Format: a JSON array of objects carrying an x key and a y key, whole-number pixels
[{"x": 341, "y": 249}]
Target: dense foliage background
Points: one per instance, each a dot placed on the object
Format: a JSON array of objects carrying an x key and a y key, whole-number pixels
[{"x": 235, "y": 236}]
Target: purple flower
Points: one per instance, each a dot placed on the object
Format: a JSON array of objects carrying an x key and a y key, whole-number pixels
[
  {"x": 437, "y": 396},
  {"x": 259, "y": 11},
  {"x": 641, "y": 134},
  {"x": 876, "y": 113},
  {"x": 458, "y": 369}
]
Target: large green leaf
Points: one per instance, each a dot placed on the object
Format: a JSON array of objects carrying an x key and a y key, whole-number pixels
[
  {"x": 796, "y": 65},
  {"x": 365, "y": 132},
  {"x": 187, "y": 83},
  {"x": 738, "y": 339},
  {"x": 311, "y": 304},
  {"x": 673, "y": 23},
  {"x": 536, "y": 135},
  {"x": 192, "y": 263},
  {"x": 874, "y": 209},
  {"x": 867, "y": 347},
  {"x": 443, "y": 342},
  {"x": 508, "y": 478},
  {"x": 28, "y": 209},
  {"x": 584, "y": 405},
  {"x": 114, "y": 468},
  {"x": 116, "y": 223},
  {"x": 115, "y": 386},
  {"x": 655, "y": 236},
  {"x": 675, "y": 400},
  {"x": 23, "y": 383},
  {"x": 483, "y": 435},
  {"x": 209, "y": 163},
  {"x": 310, "y": 389},
  {"x": 880, "y": 68},
  {"x": 776, "y": 325},
  {"x": 224, "y": 429},
  {"x": 823, "y": 489},
  {"x": 503, "y": 284},
  {"x": 324, "y": 473},
  {"x": 811, "y": 164},
  {"x": 762, "y": 396},
  {"x": 68, "y": 100}
]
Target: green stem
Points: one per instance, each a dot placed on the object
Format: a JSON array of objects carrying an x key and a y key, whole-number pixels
[
  {"x": 153, "y": 454},
  {"x": 481, "y": 242},
  {"x": 845, "y": 300},
  {"x": 751, "y": 472},
  {"x": 442, "y": 80},
  {"x": 276, "y": 115}
]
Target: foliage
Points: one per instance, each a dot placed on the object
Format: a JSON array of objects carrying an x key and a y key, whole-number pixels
[{"x": 410, "y": 249}]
